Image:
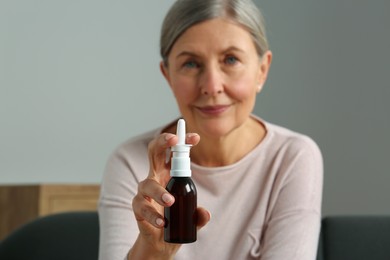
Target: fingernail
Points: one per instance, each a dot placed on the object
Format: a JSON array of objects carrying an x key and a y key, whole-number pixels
[
  {"x": 167, "y": 155},
  {"x": 209, "y": 215},
  {"x": 167, "y": 198},
  {"x": 168, "y": 136},
  {"x": 190, "y": 135},
  {"x": 159, "y": 222}
]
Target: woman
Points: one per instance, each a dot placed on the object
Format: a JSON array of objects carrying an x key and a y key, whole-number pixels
[{"x": 261, "y": 183}]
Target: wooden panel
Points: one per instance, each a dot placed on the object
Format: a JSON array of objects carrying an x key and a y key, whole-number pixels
[
  {"x": 23, "y": 203},
  {"x": 60, "y": 198},
  {"x": 68, "y": 203},
  {"x": 18, "y": 205}
]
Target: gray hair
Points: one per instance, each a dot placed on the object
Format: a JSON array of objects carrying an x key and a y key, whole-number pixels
[{"x": 186, "y": 13}]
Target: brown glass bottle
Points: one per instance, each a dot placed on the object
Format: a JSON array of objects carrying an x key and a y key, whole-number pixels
[{"x": 181, "y": 218}]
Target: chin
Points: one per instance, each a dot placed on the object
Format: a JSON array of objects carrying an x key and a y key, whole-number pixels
[{"x": 215, "y": 128}]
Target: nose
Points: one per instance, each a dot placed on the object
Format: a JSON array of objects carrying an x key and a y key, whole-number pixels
[{"x": 211, "y": 82}]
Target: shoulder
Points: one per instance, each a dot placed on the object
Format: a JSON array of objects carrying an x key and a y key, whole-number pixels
[
  {"x": 291, "y": 142},
  {"x": 134, "y": 149},
  {"x": 129, "y": 160},
  {"x": 297, "y": 158},
  {"x": 136, "y": 145},
  {"x": 291, "y": 152},
  {"x": 126, "y": 167}
]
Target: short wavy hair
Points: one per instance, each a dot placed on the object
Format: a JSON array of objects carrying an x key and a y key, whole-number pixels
[{"x": 185, "y": 13}]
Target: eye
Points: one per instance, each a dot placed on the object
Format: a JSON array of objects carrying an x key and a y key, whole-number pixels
[
  {"x": 190, "y": 64},
  {"x": 231, "y": 60}
]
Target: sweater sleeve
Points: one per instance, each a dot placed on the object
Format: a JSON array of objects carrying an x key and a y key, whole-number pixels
[
  {"x": 294, "y": 218},
  {"x": 118, "y": 228}
]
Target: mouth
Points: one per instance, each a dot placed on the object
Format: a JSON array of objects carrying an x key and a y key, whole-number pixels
[{"x": 213, "y": 110}]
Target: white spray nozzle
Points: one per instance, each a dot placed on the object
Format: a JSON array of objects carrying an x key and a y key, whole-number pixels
[
  {"x": 181, "y": 132},
  {"x": 180, "y": 163}
]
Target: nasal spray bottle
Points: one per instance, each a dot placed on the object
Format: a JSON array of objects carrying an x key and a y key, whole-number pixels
[{"x": 180, "y": 218}]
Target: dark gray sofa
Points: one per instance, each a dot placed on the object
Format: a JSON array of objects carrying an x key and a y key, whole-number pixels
[
  {"x": 355, "y": 238},
  {"x": 75, "y": 236}
]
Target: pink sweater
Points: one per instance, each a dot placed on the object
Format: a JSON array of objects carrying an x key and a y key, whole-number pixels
[{"x": 266, "y": 206}]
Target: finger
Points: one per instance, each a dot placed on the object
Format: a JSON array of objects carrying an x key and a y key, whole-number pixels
[
  {"x": 157, "y": 147},
  {"x": 144, "y": 211},
  {"x": 192, "y": 138},
  {"x": 151, "y": 189},
  {"x": 157, "y": 152},
  {"x": 203, "y": 217},
  {"x": 164, "y": 141}
]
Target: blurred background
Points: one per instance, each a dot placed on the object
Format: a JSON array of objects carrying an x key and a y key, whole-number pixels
[{"x": 77, "y": 78}]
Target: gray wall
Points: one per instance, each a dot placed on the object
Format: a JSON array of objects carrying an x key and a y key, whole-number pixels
[
  {"x": 76, "y": 79},
  {"x": 330, "y": 80}
]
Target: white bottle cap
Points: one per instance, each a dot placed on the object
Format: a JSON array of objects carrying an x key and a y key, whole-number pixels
[{"x": 181, "y": 163}]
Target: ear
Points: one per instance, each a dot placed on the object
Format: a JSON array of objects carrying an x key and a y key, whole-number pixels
[
  {"x": 164, "y": 71},
  {"x": 265, "y": 64}
]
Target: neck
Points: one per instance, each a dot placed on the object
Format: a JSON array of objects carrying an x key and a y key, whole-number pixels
[{"x": 229, "y": 149}]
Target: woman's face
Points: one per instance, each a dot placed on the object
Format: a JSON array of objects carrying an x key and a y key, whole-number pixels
[{"x": 215, "y": 73}]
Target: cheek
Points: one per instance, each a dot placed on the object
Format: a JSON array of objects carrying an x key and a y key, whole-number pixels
[
  {"x": 243, "y": 90},
  {"x": 184, "y": 90}
]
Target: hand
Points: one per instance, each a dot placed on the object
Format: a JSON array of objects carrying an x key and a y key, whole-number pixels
[{"x": 152, "y": 197}]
